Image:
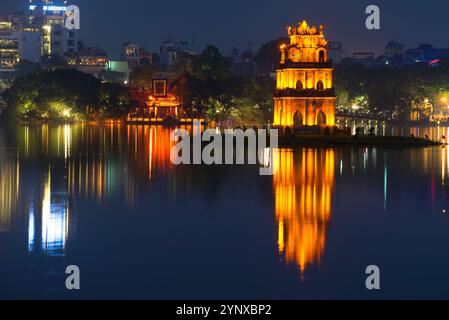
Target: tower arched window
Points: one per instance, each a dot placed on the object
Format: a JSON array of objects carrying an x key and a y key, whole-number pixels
[
  {"x": 320, "y": 85},
  {"x": 321, "y": 118},
  {"x": 298, "y": 119},
  {"x": 321, "y": 56},
  {"x": 299, "y": 85}
]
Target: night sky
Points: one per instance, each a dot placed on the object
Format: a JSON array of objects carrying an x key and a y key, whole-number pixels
[{"x": 109, "y": 23}]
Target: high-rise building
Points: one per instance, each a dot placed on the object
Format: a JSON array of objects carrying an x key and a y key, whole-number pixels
[
  {"x": 36, "y": 32},
  {"x": 335, "y": 52},
  {"x": 9, "y": 51},
  {"x": 136, "y": 56},
  {"x": 131, "y": 54},
  {"x": 175, "y": 51},
  {"x": 50, "y": 16},
  {"x": 393, "y": 49},
  {"x": 44, "y": 22},
  {"x": 243, "y": 62},
  {"x": 304, "y": 89}
]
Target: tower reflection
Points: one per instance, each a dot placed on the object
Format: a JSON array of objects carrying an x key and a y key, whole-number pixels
[{"x": 303, "y": 186}]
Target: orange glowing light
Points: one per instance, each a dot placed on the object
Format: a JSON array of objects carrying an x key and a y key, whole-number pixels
[{"x": 303, "y": 186}]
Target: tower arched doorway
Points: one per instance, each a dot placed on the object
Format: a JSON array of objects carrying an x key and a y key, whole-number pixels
[
  {"x": 321, "y": 119},
  {"x": 299, "y": 85},
  {"x": 320, "y": 85},
  {"x": 298, "y": 119}
]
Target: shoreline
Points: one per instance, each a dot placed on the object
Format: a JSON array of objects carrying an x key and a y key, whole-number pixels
[{"x": 369, "y": 141}]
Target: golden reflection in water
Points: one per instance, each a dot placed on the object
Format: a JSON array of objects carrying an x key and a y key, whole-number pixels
[
  {"x": 99, "y": 158},
  {"x": 444, "y": 164},
  {"x": 149, "y": 153},
  {"x": 89, "y": 177},
  {"x": 303, "y": 186},
  {"x": 9, "y": 191},
  {"x": 92, "y": 172},
  {"x": 151, "y": 146}
]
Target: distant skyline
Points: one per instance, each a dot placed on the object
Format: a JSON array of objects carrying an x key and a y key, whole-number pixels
[{"x": 240, "y": 23}]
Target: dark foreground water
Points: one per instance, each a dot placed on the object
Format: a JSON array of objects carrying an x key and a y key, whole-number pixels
[{"x": 107, "y": 199}]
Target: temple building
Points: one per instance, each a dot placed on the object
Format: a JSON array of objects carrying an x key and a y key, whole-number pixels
[
  {"x": 160, "y": 106},
  {"x": 304, "y": 90}
]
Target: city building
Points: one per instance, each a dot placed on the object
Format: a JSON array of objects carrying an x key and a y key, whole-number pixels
[
  {"x": 396, "y": 56},
  {"x": 146, "y": 57},
  {"x": 29, "y": 35},
  {"x": 30, "y": 38},
  {"x": 304, "y": 89},
  {"x": 50, "y": 16},
  {"x": 243, "y": 62},
  {"x": 9, "y": 51},
  {"x": 93, "y": 61},
  {"x": 131, "y": 54},
  {"x": 19, "y": 48},
  {"x": 175, "y": 53},
  {"x": 136, "y": 56},
  {"x": 393, "y": 49},
  {"x": 425, "y": 53},
  {"x": 27, "y": 32},
  {"x": 116, "y": 71},
  {"x": 335, "y": 52}
]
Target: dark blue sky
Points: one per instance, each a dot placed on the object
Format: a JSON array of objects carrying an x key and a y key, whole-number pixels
[{"x": 109, "y": 23}]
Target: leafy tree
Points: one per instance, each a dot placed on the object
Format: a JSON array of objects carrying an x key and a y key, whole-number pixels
[
  {"x": 392, "y": 93},
  {"x": 210, "y": 66},
  {"x": 269, "y": 55},
  {"x": 210, "y": 89},
  {"x": 114, "y": 100},
  {"x": 63, "y": 95},
  {"x": 142, "y": 76}
]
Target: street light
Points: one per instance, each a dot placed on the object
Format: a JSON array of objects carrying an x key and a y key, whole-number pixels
[{"x": 66, "y": 113}]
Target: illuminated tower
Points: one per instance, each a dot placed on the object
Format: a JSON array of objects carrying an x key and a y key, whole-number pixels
[{"x": 304, "y": 90}]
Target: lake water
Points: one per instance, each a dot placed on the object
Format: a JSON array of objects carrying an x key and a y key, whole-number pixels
[{"x": 107, "y": 199}]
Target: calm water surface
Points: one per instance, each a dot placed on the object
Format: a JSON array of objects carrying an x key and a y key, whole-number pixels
[{"x": 108, "y": 199}]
